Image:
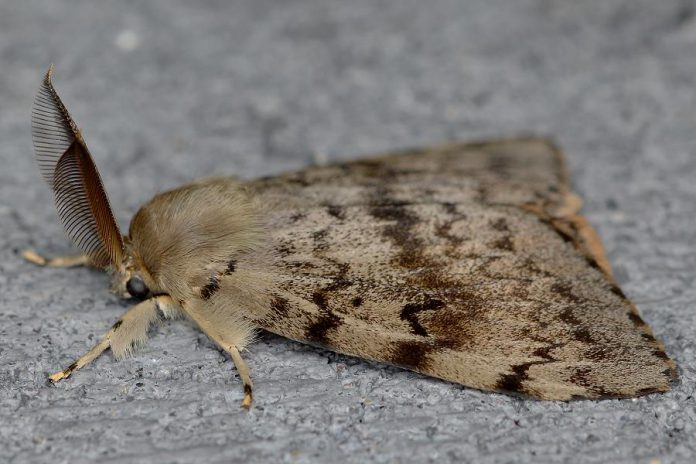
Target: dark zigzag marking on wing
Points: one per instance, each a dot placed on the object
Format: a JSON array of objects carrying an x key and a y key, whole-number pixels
[
  {"x": 409, "y": 311},
  {"x": 520, "y": 372},
  {"x": 328, "y": 320}
]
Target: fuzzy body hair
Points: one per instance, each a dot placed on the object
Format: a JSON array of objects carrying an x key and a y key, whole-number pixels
[
  {"x": 205, "y": 244},
  {"x": 184, "y": 236}
]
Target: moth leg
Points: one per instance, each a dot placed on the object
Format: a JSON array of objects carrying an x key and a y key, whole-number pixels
[
  {"x": 244, "y": 375},
  {"x": 59, "y": 261},
  {"x": 90, "y": 356},
  {"x": 232, "y": 341},
  {"x": 241, "y": 366},
  {"x": 129, "y": 331}
]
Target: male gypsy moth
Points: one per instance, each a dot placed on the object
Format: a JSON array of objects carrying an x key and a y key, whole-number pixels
[{"x": 465, "y": 262}]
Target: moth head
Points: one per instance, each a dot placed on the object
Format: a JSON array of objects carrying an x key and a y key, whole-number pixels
[
  {"x": 132, "y": 279},
  {"x": 68, "y": 168}
]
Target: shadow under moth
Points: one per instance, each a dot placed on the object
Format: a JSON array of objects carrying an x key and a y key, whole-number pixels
[{"x": 468, "y": 263}]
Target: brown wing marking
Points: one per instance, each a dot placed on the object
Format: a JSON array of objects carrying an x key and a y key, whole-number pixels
[{"x": 533, "y": 318}]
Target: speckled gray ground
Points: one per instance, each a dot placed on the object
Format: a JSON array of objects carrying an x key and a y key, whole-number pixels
[{"x": 167, "y": 91}]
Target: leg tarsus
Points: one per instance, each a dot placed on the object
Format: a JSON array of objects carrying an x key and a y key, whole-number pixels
[
  {"x": 64, "y": 374},
  {"x": 243, "y": 371},
  {"x": 88, "y": 357},
  {"x": 59, "y": 261},
  {"x": 34, "y": 258}
]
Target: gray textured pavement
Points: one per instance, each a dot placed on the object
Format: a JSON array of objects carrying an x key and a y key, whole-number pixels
[{"x": 167, "y": 91}]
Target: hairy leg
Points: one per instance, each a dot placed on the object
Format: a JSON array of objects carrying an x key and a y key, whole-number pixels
[
  {"x": 232, "y": 341},
  {"x": 127, "y": 333}
]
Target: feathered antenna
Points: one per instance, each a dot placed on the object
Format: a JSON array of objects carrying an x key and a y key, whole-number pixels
[{"x": 67, "y": 166}]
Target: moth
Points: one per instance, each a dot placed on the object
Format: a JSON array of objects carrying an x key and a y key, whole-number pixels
[{"x": 466, "y": 262}]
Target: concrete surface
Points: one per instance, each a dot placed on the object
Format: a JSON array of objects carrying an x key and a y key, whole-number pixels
[{"x": 167, "y": 91}]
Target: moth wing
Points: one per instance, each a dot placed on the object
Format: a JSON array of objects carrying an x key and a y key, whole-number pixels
[
  {"x": 488, "y": 293},
  {"x": 526, "y": 172},
  {"x": 514, "y": 171}
]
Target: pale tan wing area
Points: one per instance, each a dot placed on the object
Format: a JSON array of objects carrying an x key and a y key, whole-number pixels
[
  {"x": 466, "y": 263},
  {"x": 516, "y": 171}
]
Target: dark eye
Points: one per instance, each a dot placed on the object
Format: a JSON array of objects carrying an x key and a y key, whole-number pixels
[{"x": 136, "y": 287}]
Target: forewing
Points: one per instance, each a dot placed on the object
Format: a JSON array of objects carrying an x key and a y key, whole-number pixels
[
  {"x": 515, "y": 171},
  {"x": 489, "y": 294}
]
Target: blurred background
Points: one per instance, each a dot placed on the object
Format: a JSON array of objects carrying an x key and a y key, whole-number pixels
[{"x": 167, "y": 91}]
